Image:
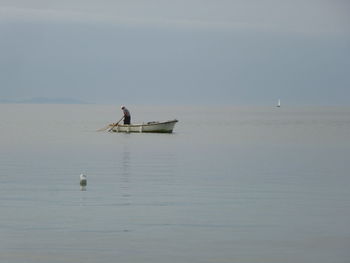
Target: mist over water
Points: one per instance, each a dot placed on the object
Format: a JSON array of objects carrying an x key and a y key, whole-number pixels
[{"x": 231, "y": 184}]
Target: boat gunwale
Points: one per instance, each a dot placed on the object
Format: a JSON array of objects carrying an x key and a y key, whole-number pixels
[{"x": 145, "y": 124}]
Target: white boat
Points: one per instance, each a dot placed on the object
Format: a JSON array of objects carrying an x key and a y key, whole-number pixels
[
  {"x": 279, "y": 103},
  {"x": 153, "y": 126}
]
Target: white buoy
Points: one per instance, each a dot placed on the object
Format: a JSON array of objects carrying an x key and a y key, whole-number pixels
[{"x": 83, "y": 180}]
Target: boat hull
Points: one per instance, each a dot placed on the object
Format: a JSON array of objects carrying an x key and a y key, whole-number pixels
[{"x": 150, "y": 127}]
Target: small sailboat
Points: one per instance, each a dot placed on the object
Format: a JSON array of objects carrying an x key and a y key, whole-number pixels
[{"x": 279, "y": 103}]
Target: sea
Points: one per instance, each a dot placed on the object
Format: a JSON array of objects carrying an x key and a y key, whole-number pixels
[{"x": 230, "y": 184}]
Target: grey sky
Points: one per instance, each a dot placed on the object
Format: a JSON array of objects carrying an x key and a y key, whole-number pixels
[{"x": 184, "y": 51}]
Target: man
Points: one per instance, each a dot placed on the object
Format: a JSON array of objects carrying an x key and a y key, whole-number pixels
[{"x": 127, "y": 116}]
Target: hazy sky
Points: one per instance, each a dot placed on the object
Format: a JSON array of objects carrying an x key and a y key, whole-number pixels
[{"x": 180, "y": 52}]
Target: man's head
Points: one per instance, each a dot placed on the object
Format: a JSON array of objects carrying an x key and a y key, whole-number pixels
[{"x": 123, "y": 107}]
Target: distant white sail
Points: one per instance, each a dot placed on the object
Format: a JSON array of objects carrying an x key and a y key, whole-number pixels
[{"x": 279, "y": 103}]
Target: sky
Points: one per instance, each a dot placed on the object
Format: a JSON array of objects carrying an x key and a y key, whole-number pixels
[{"x": 219, "y": 52}]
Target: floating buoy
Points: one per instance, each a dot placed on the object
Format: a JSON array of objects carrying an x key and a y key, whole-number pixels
[{"x": 83, "y": 180}]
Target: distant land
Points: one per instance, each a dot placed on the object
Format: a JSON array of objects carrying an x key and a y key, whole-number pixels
[{"x": 43, "y": 100}]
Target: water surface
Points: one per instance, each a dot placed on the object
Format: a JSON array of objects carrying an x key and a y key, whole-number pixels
[{"x": 231, "y": 184}]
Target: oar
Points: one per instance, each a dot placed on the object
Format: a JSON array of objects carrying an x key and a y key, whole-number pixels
[
  {"x": 104, "y": 128},
  {"x": 115, "y": 124},
  {"x": 109, "y": 125}
]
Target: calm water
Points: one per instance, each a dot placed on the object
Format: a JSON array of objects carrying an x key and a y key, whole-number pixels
[{"x": 257, "y": 185}]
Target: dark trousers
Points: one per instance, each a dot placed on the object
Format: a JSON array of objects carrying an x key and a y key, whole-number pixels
[{"x": 127, "y": 119}]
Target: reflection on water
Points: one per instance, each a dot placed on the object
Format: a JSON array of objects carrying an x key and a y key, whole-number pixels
[{"x": 125, "y": 175}]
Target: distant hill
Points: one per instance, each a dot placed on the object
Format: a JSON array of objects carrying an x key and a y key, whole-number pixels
[{"x": 43, "y": 100}]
